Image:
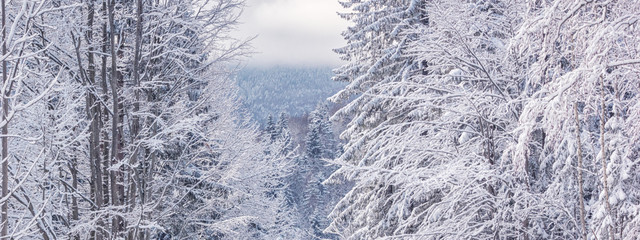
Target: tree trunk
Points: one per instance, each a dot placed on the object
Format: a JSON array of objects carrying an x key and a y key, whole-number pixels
[
  {"x": 115, "y": 119},
  {"x": 5, "y": 131},
  {"x": 93, "y": 114},
  {"x": 135, "y": 128},
  {"x": 603, "y": 154},
  {"x": 104, "y": 146},
  {"x": 74, "y": 198},
  {"x": 580, "y": 188}
]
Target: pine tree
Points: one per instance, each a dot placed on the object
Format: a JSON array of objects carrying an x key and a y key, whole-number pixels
[
  {"x": 282, "y": 125},
  {"x": 315, "y": 200},
  {"x": 271, "y": 129},
  {"x": 284, "y": 133},
  {"x": 280, "y": 154}
]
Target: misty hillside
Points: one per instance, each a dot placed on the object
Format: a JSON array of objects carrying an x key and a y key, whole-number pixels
[{"x": 293, "y": 90}]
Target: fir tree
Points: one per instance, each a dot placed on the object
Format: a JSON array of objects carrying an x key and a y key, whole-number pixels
[
  {"x": 320, "y": 142},
  {"x": 271, "y": 130}
]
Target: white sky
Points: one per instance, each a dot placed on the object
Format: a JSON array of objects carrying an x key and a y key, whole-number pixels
[{"x": 293, "y": 32}]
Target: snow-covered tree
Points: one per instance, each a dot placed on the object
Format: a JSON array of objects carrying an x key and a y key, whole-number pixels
[
  {"x": 424, "y": 145},
  {"x": 271, "y": 128},
  {"x": 310, "y": 197},
  {"x": 320, "y": 140},
  {"x": 121, "y": 122},
  {"x": 575, "y": 57},
  {"x": 507, "y": 125},
  {"x": 41, "y": 130}
]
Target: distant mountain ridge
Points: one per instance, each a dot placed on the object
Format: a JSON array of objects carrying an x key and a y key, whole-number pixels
[{"x": 293, "y": 90}]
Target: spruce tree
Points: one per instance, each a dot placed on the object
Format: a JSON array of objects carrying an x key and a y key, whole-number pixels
[{"x": 271, "y": 128}]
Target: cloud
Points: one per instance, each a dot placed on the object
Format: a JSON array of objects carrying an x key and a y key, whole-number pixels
[{"x": 293, "y": 32}]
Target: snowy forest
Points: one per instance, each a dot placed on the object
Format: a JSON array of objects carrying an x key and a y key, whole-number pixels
[
  {"x": 293, "y": 90},
  {"x": 447, "y": 119}
]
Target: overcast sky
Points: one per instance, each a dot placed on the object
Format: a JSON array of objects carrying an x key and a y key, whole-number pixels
[{"x": 293, "y": 32}]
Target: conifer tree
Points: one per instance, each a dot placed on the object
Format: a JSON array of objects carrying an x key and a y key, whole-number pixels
[{"x": 271, "y": 129}]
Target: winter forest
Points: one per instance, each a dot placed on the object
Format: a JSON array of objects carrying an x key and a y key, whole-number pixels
[{"x": 442, "y": 119}]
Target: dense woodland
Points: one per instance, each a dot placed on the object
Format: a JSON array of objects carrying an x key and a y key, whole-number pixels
[
  {"x": 478, "y": 119},
  {"x": 490, "y": 119},
  {"x": 296, "y": 91},
  {"x": 120, "y": 121}
]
